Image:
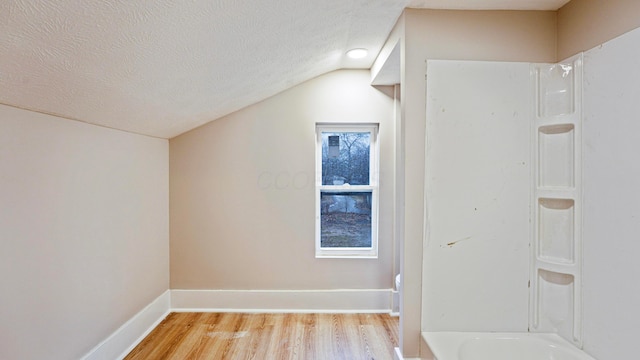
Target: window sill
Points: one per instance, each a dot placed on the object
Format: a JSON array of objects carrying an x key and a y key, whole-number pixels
[{"x": 346, "y": 254}]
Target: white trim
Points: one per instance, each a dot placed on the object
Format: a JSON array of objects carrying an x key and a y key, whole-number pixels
[
  {"x": 131, "y": 333},
  {"x": 298, "y": 301},
  {"x": 395, "y": 303},
  {"x": 397, "y": 355}
]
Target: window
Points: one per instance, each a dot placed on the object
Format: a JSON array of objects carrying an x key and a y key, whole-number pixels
[{"x": 346, "y": 190}]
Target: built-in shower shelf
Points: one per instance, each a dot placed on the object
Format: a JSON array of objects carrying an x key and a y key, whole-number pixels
[
  {"x": 556, "y": 127},
  {"x": 557, "y": 192},
  {"x": 556, "y": 155},
  {"x": 555, "y": 89},
  {"x": 558, "y": 267},
  {"x": 556, "y": 229},
  {"x": 555, "y": 296},
  {"x": 556, "y": 121},
  {"x": 556, "y": 249}
]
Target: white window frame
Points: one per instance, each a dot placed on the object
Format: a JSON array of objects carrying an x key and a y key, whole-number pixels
[{"x": 373, "y": 187}]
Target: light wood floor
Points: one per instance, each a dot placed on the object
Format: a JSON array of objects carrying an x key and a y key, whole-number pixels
[{"x": 270, "y": 336}]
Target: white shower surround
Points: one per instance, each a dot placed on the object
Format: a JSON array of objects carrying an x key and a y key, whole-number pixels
[
  {"x": 610, "y": 197},
  {"x": 503, "y": 203}
]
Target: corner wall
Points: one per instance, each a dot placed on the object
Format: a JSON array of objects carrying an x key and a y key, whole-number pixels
[
  {"x": 611, "y": 197},
  {"x": 610, "y": 170},
  {"x": 84, "y": 229},
  {"x": 584, "y": 24},
  {"x": 242, "y": 192}
]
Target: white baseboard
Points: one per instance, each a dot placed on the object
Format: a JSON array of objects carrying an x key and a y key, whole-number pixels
[
  {"x": 123, "y": 340},
  {"x": 397, "y": 354},
  {"x": 131, "y": 333},
  {"x": 395, "y": 303},
  {"x": 319, "y": 301}
]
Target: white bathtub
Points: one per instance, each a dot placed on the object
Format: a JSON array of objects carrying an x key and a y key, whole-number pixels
[{"x": 501, "y": 346}]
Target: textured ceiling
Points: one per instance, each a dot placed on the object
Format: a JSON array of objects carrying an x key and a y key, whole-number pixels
[{"x": 163, "y": 67}]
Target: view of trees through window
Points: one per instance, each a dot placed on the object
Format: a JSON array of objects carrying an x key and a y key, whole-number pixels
[
  {"x": 349, "y": 163},
  {"x": 345, "y": 214}
]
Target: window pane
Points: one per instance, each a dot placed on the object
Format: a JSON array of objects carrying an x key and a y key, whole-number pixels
[
  {"x": 345, "y": 158},
  {"x": 345, "y": 219}
]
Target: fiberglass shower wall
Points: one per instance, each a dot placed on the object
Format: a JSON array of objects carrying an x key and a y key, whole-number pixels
[
  {"x": 476, "y": 250},
  {"x": 501, "y": 137},
  {"x": 611, "y": 215},
  {"x": 580, "y": 187}
]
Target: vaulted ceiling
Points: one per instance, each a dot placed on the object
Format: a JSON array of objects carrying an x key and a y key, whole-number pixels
[{"x": 164, "y": 67}]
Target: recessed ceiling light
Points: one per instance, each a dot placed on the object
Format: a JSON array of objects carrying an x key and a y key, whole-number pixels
[{"x": 357, "y": 53}]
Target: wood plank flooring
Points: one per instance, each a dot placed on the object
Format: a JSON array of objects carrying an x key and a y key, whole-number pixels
[{"x": 270, "y": 336}]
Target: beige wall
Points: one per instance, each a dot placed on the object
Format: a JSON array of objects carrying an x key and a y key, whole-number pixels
[
  {"x": 455, "y": 35},
  {"x": 585, "y": 24},
  {"x": 481, "y": 35},
  {"x": 242, "y": 192},
  {"x": 84, "y": 229}
]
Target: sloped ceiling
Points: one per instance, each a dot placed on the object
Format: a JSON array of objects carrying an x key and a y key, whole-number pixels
[{"x": 164, "y": 67}]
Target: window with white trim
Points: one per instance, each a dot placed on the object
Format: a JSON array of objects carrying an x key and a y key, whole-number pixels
[{"x": 347, "y": 190}]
